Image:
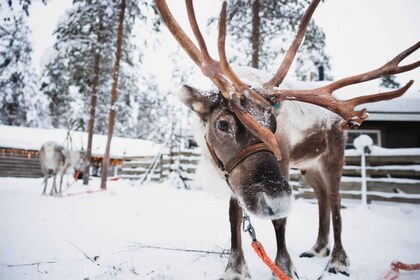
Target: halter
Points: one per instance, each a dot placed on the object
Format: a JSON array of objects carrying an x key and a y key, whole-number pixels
[{"x": 237, "y": 159}]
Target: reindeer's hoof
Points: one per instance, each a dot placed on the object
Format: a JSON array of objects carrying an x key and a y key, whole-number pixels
[
  {"x": 294, "y": 276},
  {"x": 338, "y": 268},
  {"x": 322, "y": 253},
  {"x": 237, "y": 274}
]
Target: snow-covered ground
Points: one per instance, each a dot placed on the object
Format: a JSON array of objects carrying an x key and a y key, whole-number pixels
[{"x": 99, "y": 235}]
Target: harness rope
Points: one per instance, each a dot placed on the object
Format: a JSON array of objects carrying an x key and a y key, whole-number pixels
[
  {"x": 259, "y": 248},
  {"x": 396, "y": 266},
  {"x": 76, "y": 176}
]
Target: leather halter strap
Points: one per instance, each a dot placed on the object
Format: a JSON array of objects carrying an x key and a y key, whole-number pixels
[{"x": 231, "y": 164}]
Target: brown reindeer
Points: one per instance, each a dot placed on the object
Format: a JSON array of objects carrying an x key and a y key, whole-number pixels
[{"x": 253, "y": 145}]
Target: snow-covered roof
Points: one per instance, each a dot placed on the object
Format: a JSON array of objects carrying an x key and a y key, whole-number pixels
[{"x": 33, "y": 138}]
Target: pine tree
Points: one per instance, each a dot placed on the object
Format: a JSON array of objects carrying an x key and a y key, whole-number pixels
[
  {"x": 20, "y": 101},
  {"x": 89, "y": 33},
  {"x": 389, "y": 82},
  {"x": 116, "y": 72},
  {"x": 262, "y": 30}
]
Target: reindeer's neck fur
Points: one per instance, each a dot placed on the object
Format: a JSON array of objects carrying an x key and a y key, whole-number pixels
[{"x": 302, "y": 132}]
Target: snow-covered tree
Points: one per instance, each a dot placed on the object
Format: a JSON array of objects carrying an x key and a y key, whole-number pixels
[
  {"x": 262, "y": 30},
  {"x": 20, "y": 100},
  {"x": 24, "y": 4},
  {"x": 87, "y": 34}
]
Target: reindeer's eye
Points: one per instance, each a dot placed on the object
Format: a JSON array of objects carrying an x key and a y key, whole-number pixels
[{"x": 223, "y": 125}]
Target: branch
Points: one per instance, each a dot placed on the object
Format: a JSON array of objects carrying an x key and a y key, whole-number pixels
[
  {"x": 28, "y": 264},
  {"x": 89, "y": 258},
  {"x": 139, "y": 246}
]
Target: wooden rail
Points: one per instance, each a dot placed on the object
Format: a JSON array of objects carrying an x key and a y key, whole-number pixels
[{"x": 390, "y": 178}]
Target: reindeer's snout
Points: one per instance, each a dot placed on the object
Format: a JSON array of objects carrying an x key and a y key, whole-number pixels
[
  {"x": 268, "y": 200},
  {"x": 261, "y": 188}
]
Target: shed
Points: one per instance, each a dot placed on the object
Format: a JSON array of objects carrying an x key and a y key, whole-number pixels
[{"x": 19, "y": 149}]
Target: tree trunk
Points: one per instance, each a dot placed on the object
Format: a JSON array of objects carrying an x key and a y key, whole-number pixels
[
  {"x": 93, "y": 98},
  {"x": 111, "y": 119},
  {"x": 255, "y": 36}
]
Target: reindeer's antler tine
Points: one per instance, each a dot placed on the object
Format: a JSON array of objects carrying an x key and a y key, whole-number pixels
[
  {"x": 210, "y": 67},
  {"x": 380, "y": 96},
  {"x": 389, "y": 68},
  {"x": 343, "y": 108},
  {"x": 323, "y": 96},
  {"x": 291, "y": 52},
  {"x": 196, "y": 30},
  {"x": 227, "y": 70},
  {"x": 406, "y": 53},
  {"x": 185, "y": 42},
  {"x": 179, "y": 34},
  {"x": 221, "y": 42}
]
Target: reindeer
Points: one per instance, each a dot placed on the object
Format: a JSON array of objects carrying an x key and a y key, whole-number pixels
[
  {"x": 55, "y": 159},
  {"x": 254, "y": 130}
]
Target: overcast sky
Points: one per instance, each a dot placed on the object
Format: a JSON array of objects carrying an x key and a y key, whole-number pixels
[{"x": 361, "y": 34}]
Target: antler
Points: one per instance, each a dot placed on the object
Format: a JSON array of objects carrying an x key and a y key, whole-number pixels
[
  {"x": 208, "y": 66},
  {"x": 219, "y": 71},
  {"x": 323, "y": 96},
  {"x": 345, "y": 108}
]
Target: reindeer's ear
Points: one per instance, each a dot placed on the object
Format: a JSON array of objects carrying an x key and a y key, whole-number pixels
[{"x": 201, "y": 102}]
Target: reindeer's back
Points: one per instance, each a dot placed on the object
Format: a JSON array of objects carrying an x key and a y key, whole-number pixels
[{"x": 52, "y": 156}]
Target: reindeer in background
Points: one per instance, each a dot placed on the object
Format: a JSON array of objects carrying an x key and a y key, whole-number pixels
[
  {"x": 55, "y": 159},
  {"x": 255, "y": 129}
]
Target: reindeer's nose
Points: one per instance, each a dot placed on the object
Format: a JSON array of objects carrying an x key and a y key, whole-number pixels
[
  {"x": 270, "y": 199},
  {"x": 273, "y": 207}
]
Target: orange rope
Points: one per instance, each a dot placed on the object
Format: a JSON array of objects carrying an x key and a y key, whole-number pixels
[
  {"x": 86, "y": 192},
  {"x": 395, "y": 269},
  {"x": 259, "y": 249}
]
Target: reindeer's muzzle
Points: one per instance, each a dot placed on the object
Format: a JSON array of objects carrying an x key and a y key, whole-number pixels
[
  {"x": 255, "y": 178},
  {"x": 261, "y": 188}
]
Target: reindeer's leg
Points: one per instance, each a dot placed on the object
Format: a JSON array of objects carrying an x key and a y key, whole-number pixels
[
  {"x": 339, "y": 262},
  {"x": 320, "y": 249},
  {"x": 283, "y": 260},
  {"x": 45, "y": 182},
  {"x": 61, "y": 181},
  {"x": 54, "y": 186},
  {"x": 236, "y": 268}
]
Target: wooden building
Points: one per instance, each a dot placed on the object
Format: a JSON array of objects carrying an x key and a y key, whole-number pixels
[
  {"x": 19, "y": 149},
  {"x": 392, "y": 124}
]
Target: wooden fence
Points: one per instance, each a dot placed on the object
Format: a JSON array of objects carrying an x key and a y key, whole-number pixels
[
  {"x": 158, "y": 169},
  {"x": 389, "y": 178}
]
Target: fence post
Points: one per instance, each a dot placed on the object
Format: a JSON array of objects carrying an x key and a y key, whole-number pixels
[{"x": 362, "y": 145}]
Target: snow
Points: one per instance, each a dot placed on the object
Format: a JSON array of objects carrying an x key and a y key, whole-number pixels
[
  {"x": 379, "y": 151},
  {"x": 110, "y": 228},
  {"x": 33, "y": 138},
  {"x": 361, "y": 142},
  {"x": 414, "y": 167}
]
